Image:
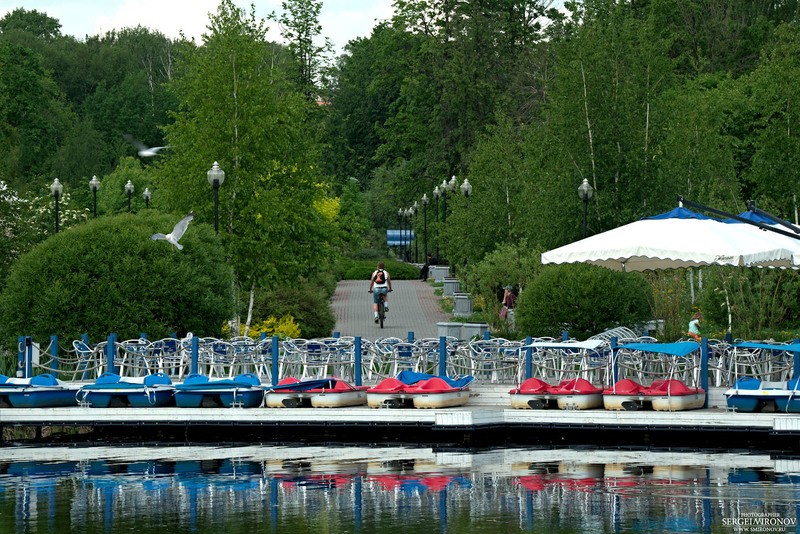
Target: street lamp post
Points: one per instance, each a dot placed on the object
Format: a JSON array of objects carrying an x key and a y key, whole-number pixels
[
  {"x": 425, "y": 225},
  {"x": 56, "y": 188},
  {"x": 215, "y": 177},
  {"x": 415, "y": 211},
  {"x": 146, "y": 196},
  {"x": 94, "y": 185},
  {"x": 402, "y": 236},
  {"x": 585, "y": 191},
  {"x": 436, "y": 194},
  {"x": 129, "y": 190}
]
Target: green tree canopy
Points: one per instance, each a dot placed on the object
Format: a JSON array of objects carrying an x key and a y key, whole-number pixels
[{"x": 108, "y": 276}]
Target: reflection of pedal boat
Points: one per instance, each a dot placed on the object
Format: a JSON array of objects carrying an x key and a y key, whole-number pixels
[
  {"x": 40, "y": 391},
  {"x": 750, "y": 394},
  {"x": 574, "y": 394},
  {"x": 662, "y": 395},
  {"x": 110, "y": 389},
  {"x": 419, "y": 390},
  {"x": 197, "y": 390},
  {"x": 321, "y": 393}
]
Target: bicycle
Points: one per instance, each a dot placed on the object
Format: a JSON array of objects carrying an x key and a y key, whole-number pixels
[{"x": 381, "y": 307}]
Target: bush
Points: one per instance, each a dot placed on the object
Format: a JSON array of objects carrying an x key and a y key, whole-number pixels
[
  {"x": 582, "y": 299},
  {"x": 362, "y": 269},
  {"x": 107, "y": 275},
  {"x": 308, "y": 304}
]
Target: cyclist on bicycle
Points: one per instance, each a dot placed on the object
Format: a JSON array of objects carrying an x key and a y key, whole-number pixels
[{"x": 380, "y": 283}]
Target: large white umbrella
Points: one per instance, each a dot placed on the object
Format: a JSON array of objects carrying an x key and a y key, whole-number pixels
[{"x": 679, "y": 238}]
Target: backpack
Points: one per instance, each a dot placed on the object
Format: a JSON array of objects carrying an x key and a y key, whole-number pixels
[{"x": 380, "y": 277}]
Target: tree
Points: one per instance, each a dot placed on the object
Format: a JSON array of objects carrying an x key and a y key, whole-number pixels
[
  {"x": 238, "y": 108},
  {"x": 108, "y": 276},
  {"x": 300, "y": 27},
  {"x": 31, "y": 21}
]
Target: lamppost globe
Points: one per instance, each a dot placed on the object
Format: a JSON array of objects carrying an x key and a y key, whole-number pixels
[
  {"x": 129, "y": 191},
  {"x": 451, "y": 185},
  {"x": 466, "y": 188},
  {"x": 585, "y": 191},
  {"x": 56, "y": 188},
  {"x": 216, "y": 176},
  {"x": 146, "y": 196},
  {"x": 94, "y": 185}
]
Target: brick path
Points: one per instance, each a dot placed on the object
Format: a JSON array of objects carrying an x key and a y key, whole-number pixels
[{"x": 412, "y": 308}]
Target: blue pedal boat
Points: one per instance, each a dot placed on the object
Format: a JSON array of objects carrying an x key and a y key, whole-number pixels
[
  {"x": 40, "y": 391},
  {"x": 750, "y": 394},
  {"x": 112, "y": 390},
  {"x": 244, "y": 390}
]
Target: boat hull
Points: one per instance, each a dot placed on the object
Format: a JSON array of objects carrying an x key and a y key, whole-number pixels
[
  {"x": 338, "y": 399},
  {"x": 584, "y": 401},
  {"x": 440, "y": 400},
  {"x": 676, "y": 403},
  {"x": 522, "y": 401},
  {"x": 42, "y": 399}
]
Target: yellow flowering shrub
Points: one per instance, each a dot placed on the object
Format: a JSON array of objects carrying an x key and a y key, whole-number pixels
[{"x": 284, "y": 327}]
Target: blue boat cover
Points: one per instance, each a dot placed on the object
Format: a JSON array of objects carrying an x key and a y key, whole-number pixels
[
  {"x": 681, "y": 348},
  {"x": 678, "y": 213},
  {"x": 198, "y": 382},
  {"x": 410, "y": 377},
  {"x": 791, "y": 347}
]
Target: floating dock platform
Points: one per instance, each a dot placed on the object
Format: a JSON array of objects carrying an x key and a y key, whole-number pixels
[{"x": 487, "y": 420}]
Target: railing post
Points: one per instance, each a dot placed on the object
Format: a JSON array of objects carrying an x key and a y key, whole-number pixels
[
  {"x": 195, "y": 355},
  {"x": 337, "y": 335},
  {"x": 111, "y": 353},
  {"x": 29, "y": 357},
  {"x": 410, "y": 336},
  {"x": 704, "y": 368},
  {"x": 275, "y": 354},
  {"x": 528, "y": 357},
  {"x": 614, "y": 365},
  {"x": 796, "y": 369},
  {"x": 54, "y": 353},
  {"x": 21, "y": 356},
  {"x": 357, "y": 361},
  {"x": 443, "y": 355},
  {"x": 87, "y": 357},
  {"x": 487, "y": 335},
  {"x": 565, "y": 335}
]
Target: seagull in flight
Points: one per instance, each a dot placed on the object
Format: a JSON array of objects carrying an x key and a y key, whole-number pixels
[
  {"x": 177, "y": 232},
  {"x": 143, "y": 151}
]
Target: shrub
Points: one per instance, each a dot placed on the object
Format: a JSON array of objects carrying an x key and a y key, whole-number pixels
[
  {"x": 582, "y": 299},
  {"x": 308, "y": 304},
  {"x": 107, "y": 275}
]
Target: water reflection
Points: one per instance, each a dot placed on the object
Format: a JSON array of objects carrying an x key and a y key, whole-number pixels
[{"x": 347, "y": 489}]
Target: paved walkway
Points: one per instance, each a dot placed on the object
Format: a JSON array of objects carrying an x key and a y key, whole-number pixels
[{"x": 412, "y": 308}]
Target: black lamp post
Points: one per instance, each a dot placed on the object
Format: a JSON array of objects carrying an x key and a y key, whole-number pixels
[
  {"x": 146, "y": 196},
  {"x": 402, "y": 235},
  {"x": 215, "y": 177},
  {"x": 425, "y": 225},
  {"x": 415, "y": 211},
  {"x": 585, "y": 191},
  {"x": 56, "y": 188},
  {"x": 436, "y": 194},
  {"x": 129, "y": 191},
  {"x": 94, "y": 185}
]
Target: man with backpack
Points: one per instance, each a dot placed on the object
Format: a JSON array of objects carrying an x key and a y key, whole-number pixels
[{"x": 380, "y": 283}]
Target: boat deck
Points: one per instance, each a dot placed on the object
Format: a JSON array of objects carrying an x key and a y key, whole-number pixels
[{"x": 487, "y": 419}]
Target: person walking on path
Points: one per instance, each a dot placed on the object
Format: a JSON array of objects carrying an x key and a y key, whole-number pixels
[{"x": 380, "y": 283}]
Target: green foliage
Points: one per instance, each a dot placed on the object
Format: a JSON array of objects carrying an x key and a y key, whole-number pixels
[
  {"x": 750, "y": 302},
  {"x": 582, "y": 299},
  {"x": 514, "y": 265},
  {"x": 363, "y": 269},
  {"x": 108, "y": 276},
  {"x": 307, "y": 303}
]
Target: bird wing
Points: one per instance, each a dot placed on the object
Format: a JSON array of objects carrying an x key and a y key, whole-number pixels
[
  {"x": 158, "y": 236},
  {"x": 180, "y": 228},
  {"x": 135, "y": 142}
]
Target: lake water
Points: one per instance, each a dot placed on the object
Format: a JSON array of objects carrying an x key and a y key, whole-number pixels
[{"x": 297, "y": 489}]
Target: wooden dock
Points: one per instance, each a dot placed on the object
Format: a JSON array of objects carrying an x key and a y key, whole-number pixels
[{"x": 487, "y": 420}]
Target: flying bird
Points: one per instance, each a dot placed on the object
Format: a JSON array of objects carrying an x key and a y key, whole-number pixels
[
  {"x": 177, "y": 232},
  {"x": 141, "y": 149}
]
